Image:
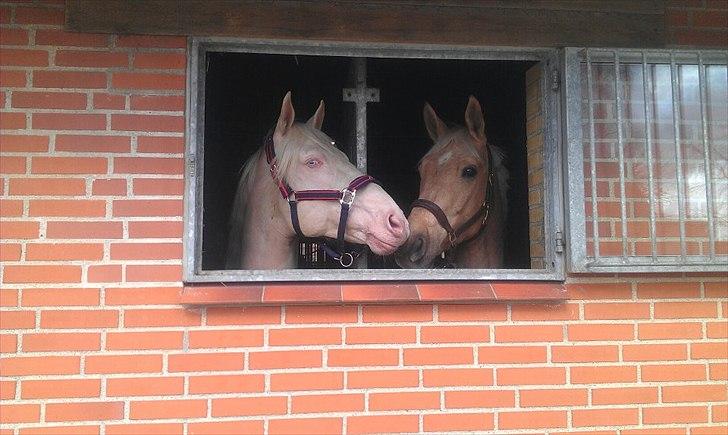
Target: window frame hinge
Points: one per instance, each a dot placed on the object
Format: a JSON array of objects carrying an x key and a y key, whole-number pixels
[
  {"x": 559, "y": 242},
  {"x": 555, "y": 79}
]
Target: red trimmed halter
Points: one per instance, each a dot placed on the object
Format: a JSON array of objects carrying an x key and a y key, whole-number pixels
[{"x": 345, "y": 197}]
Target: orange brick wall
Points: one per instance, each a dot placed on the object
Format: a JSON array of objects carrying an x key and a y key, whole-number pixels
[{"x": 93, "y": 339}]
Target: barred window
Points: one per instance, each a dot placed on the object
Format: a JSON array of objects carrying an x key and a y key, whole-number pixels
[{"x": 648, "y": 160}]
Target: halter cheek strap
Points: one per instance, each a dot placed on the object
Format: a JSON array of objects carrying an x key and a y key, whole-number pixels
[{"x": 345, "y": 198}]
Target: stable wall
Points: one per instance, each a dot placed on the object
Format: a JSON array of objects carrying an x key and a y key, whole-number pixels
[{"x": 94, "y": 339}]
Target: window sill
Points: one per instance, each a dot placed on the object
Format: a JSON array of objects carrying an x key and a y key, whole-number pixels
[{"x": 328, "y": 293}]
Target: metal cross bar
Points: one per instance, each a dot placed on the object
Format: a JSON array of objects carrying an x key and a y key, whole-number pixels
[{"x": 360, "y": 96}]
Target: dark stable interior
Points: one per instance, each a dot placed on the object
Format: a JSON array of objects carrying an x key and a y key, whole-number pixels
[{"x": 243, "y": 94}]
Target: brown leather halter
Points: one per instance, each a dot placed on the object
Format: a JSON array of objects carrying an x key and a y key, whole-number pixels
[
  {"x": 345, "y": 197},
  {"x": 481, "y": 215}
]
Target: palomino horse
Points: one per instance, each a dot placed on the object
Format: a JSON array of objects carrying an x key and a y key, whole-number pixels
[
  {"x": 300, "y": 185},
  {"x": 460, "y": 214}
]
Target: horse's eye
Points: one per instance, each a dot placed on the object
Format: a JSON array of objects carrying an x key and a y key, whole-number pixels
[
  {"x": 469, "y": 172},
  {"x": 313, "y": 163}
]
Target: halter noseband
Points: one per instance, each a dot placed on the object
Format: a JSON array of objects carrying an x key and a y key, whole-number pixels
[
  {"x": 454, "y": 233},
  {"x": 345, "y": 197}
]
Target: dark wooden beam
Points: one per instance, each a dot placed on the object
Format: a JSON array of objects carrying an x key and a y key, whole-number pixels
[{"x": 543, "y": 23}]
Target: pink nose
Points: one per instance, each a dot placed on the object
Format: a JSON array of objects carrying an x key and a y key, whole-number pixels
[{"x": 397, "y": 225}]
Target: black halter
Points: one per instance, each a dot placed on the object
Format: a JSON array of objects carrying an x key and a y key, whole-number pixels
[
  {"x": 345, "y": 197},
  {"x": 453, "y": 234}
]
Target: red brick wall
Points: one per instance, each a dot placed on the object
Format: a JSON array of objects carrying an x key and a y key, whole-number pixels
[{"x": 93, "y": 337}]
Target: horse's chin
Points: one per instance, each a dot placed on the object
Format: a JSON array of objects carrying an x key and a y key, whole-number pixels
[{"x": 380, "y": 247}]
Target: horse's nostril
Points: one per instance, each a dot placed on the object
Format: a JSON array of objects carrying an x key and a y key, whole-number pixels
[
  {"x": 418, "y": 250},
  {"x": 397, "y": 224}
]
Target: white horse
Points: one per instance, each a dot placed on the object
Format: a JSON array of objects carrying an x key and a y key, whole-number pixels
[{"x": 304, "y": 160}]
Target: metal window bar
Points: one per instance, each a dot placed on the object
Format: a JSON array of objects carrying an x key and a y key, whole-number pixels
[
  {"x": 592, "y": 144},
  {"x": 706, "y": 157},
  {"x": 657, "y": 261},
  {"x": 620, "y": 151},
  {"x": 646, "y": 89},
  {"x": 675, "y": 79}
]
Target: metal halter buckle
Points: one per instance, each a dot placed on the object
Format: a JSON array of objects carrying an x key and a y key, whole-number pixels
[
  {"x": 452, "y": 237},
  {"x": 347, "y": 196}
]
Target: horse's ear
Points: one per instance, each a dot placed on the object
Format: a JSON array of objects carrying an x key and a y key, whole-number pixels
[
  {"x": 433, "y": 123},
  {"x": 474, "y": 119},
  {"x": 318, "y": 118},
  {"x": 287, "y": 116}
]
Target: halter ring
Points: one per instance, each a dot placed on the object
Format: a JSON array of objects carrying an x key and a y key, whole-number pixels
[{"x": 349, "y": 259}]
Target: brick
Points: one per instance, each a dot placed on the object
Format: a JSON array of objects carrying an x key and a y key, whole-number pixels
[
  {"x": 511, "y": 354},
  {"x": 310, "y": 426},
  {"x": 170, "y": 103},
  {"x": 454, "y": 334},
  {"x": 12, "y": 165},
  {"x": 286, "y": 359},
  {"x": 570, "y": 354},
  {"x": 86, "y": 411},
  {"x": 100, "y": 364},
  {"x": 438, "y": 356},
  {"x": 21, "y": 413},
  {"x": 164, "y": 61},
  {"x": 716, "y": 289},
  {"x": 64, "y": 251},
  {"x": 605, "y": 417},
  {"x": 144, "y": 340},
  {"x": 665, "y": 290},
  {"x": 669, "y": 331},
  {"x": 715, "y": 19},
  {"x": 708, "y": 351},
  {"x": 155, "y": 230},
  {"x": 321, "y": 314},
  {"x": 151, "y": 81},
  {"x": 675, "y": 414},
  {"x": 252, "y": 427},
  {"x": 150, "y": 41},
  {"x": 214, "y": 384},
  {"x": 268, "y": 405},
  {"x": 62, "y": 430},
  {"x": 17, "y": 320},
  {"x": 161, "y": 317},
  {"x": 69, "y": 165},
  {"x": 397, "y": 313},
  {"x": 104, "y": 273},
  {"x": 23, "y": 57},
  {"x": 554, "y": 397},
  {"x": 304, "y": 336},
  {"x": 79, "y": 319},
  {"x": 146, "y": 251},
  {"x": 73, "y": 39},
  {"x": 225, "y": 338},
  {"x": 162, "y": 273},
  {"x": 457, "y": 377},
  {"x": 616, "y": 311},
  {"x": 47, "y": 186},
  {"x": 404, "y": 401},
  {"x": 8, "y": 343},
  {"x": 59, "y": 342},
  {"x": 60, "y": 388},
  {"x": 11, "y": 208},
  {"x": 91, "y": 59},
  {"x": 69, "y": 79},
  {"x": 480, "y": 399},
  {"x": 146, "y": 429},
  {"x": 23, "y": 143},
  {"x": 156, "y": 208},
  {"x": 42, "y": 365},
  {"x": 673, "y": 372},
  {"x": 545, "y": 312},
  {"x": 654, "y": 352},
  {"x": 624, "y": 395},
  {"x": 148, "y": 165},
  {"x": 158, "y": 409},
  {"x": 382, "y": 379},
  {"x": 206, "y": 362},
  {"x": 93, "y": 143},
  {"x": 67, "y": 208},
  {"x": 15, "y": 36},
  {"x": 600, "y": 332},
  {"x": 243, "y": 316},
  {"x": 39, "y": 15},
  {"x": 320, "y": 403},
  {"x": 7, "y": 390},
  {"x": 445, "y": 423},
  {"x": 19, "y": 230},
  {"x": 382, "y": 424},
  {"x": 13, "y": 79},
  {"x": 694, "y": 393},
  {"x": 307, "y": 381},
  {"x": 160, "y": 144},
  {"x": 84, "y": 230},
  {"x": 8, "y": 298},
  {"x": 109, "y": 186},
  {"x": 717, "y": 330},
  {"x": 380, "y": 335},
  {"x": 531, "y": 376},
  {"x": 49, "y": 100},
  {"x": 145, "y": 386},
  {"x": 12, "y": 121},
  {"x": 109, "y": 101},
  {"x": 528, "y": 333},
  {"x": 157, "y": 186},
  {"x": 69, "y": 121},
  {"x": 41, "y": 274},
  {"x": 685, "y": 310},
  {"x": 531, "y": 419},
  {"x": 143, "y": 296}
]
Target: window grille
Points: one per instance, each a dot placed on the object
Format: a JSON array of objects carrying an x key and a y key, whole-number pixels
[{"x": 648, "y": 160}]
